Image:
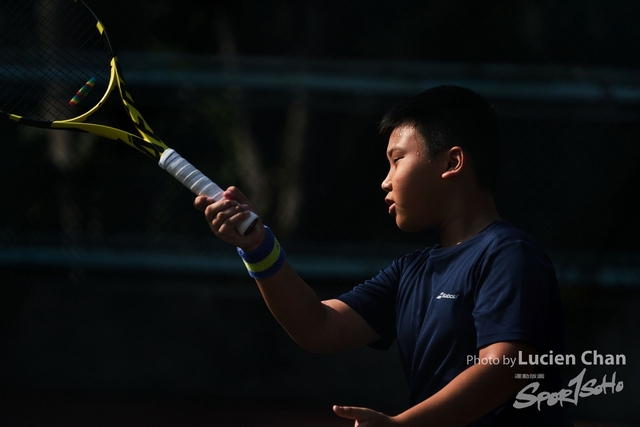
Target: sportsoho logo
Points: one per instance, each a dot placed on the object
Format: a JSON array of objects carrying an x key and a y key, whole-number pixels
[{"x": 444, "y": 295}]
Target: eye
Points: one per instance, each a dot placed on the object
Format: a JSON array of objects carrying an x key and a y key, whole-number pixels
[{"x": 395, "y": 159}]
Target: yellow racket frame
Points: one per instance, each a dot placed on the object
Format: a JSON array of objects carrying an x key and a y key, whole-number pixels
[{"x": 147, "y": 142}]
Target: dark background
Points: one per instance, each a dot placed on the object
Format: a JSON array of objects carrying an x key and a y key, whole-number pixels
[{"x": 117, "y": 305}]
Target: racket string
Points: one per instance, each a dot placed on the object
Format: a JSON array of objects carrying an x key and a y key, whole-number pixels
[{"x": 50, "y": 50}]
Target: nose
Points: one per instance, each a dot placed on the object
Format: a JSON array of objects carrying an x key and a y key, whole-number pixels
[{"x": 386, "y": 184}]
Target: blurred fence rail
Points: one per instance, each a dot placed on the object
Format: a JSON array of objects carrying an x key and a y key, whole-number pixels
[
  {"x": 574, "y": 269},
  {"x": 583, "y": 92}
]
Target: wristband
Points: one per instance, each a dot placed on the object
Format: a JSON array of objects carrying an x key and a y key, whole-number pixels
[{"x": 266, "y": 259}]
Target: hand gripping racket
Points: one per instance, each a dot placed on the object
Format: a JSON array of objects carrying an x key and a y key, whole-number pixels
[{"x": 57, "y": 68}]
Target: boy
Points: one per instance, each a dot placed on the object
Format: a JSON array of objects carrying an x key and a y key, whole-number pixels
[{"x": 486, "y": 293}]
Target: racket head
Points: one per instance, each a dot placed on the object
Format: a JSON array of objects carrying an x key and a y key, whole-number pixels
[{"x": 55, "y": 61}]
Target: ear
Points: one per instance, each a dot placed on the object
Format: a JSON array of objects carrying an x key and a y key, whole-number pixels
[{"x": 455, "y": 158}]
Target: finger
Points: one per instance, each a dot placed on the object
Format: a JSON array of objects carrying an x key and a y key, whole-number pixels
[
  {"x": 354, "y": 413},
  {"x": 212, "y": 210},
  {"x": 234, "y": 193},
  {"x": 201, "y": 202},
  {"x": 226, "y": 222},
  {"x": 226, "y": 215},
  {"x": 230, "y": 224}
]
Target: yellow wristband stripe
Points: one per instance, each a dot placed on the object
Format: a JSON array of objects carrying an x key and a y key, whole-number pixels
[
  {"x": 271, "y": 259},
  {"x": 266, "y": 260}
]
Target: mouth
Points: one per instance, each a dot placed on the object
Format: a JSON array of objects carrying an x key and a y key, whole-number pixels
[{"x": 392, "y": 206}]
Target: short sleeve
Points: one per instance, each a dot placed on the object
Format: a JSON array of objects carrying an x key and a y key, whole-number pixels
[
  {"x": 375, "y": 301},
  {"x": 512, "y": 300}
]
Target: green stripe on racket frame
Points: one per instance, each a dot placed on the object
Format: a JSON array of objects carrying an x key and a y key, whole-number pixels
[{"x": 58, "y": 68}]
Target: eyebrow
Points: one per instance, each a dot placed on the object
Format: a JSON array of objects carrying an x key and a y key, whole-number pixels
[{"x": 392, "y": 150}]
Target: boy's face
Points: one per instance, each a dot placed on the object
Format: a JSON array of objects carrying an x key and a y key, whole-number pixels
[{"x": 414, "y": 183}]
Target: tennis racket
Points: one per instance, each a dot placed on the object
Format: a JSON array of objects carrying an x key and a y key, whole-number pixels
[{"x": 58, "y": 68}]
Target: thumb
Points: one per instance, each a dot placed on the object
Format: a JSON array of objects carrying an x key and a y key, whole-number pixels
[
  {"x": 354, "y": 413},
  {"x": 234, "y": 193}
]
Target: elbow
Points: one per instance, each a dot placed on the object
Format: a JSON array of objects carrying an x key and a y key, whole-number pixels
[
  {"x": 318, "y": 341},
  {"x": 313, "y": 336}
]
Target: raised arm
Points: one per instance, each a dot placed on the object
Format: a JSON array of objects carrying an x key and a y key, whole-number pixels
[{"x": 315, "y": 325}]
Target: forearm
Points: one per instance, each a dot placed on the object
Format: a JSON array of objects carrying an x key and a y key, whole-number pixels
[
  {"x": 318, "y": 326},
  {"x": 295, "y": 305},
  {"x": 468, "y": 397},
  {"x": 473, "y": 393}
]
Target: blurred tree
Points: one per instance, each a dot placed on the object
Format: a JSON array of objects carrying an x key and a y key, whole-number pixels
[
  {"x": 67, "y": 151},
  {"x": 278, "y": 185}
]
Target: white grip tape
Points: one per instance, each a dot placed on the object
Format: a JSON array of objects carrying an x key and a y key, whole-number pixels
[{"x": 198, "y": 183}]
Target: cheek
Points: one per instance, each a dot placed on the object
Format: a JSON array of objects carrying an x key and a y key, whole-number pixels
[
  {"x": 421, "y": 194},
  {"x": 415, "y": 185}
]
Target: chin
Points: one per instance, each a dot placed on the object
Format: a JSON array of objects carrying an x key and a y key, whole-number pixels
[{"x": 409, "y": 227}]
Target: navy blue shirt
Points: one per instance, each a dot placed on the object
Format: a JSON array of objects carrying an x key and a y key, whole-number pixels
[{"x": 443, "y": 304}]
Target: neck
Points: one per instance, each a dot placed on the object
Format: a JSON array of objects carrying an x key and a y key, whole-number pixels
[{"x": 467, "y": 217}]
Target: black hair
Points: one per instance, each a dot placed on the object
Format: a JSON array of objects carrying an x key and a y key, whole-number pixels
[{"x": 446, "y": 116}]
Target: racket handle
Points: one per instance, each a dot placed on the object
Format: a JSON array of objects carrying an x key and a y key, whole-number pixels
[{"x": 198, "y": 183}]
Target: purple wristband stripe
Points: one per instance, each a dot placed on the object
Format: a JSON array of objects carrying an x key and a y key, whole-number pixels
[{"x": 266, "y": 260}]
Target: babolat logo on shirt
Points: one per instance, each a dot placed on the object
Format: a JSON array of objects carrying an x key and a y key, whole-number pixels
[{"x": 444, "y": 295}]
